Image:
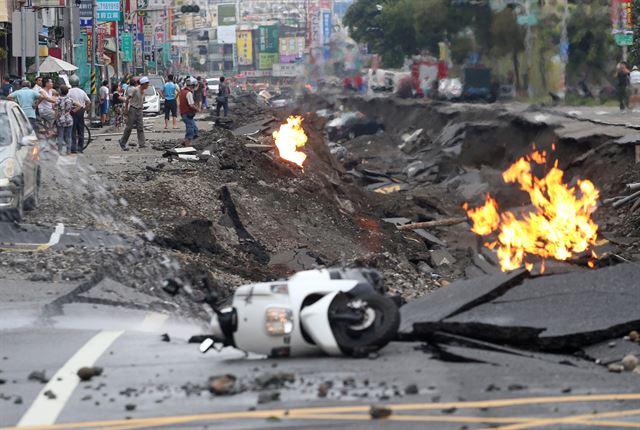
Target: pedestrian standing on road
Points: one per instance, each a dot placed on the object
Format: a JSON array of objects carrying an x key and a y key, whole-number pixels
[
  {"x": 133, "y": 111},
  {"x": 205, "y": 101},
  {"x": 26, "y": 97},
  {"x": 104, "y": 102},
  {"x": 81, "y": 99},
  {"x": 38, "y": 84},
  {"x": 45, "y": 107},
  {"x": 170, "y": 91},
  {"x": 222, "y": 99},
  {"x": 65, "y": 107},
  {"x": 197, "y": 93},
  {"x": 188, "y": 110},
  {"x": 6, "y": 88},
  {"x": 117, "y": 101},
  {"x": 622, "y": 85}
]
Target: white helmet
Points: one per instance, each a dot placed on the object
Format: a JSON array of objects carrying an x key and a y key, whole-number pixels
[{"x": 191, "y": 82}]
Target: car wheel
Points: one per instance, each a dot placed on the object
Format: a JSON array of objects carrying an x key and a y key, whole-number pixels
[
  {"x": 33, "y": 201},
  {"x": 17, "y": 214}
]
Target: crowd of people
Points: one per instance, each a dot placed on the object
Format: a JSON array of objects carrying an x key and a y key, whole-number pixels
[{"x": 59, "y": 113}]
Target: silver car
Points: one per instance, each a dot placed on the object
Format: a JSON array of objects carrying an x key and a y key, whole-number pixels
[{"x": 19, "y": 167}]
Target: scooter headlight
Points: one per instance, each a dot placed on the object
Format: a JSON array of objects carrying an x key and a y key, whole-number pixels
[{"x": 279, "y": 321}]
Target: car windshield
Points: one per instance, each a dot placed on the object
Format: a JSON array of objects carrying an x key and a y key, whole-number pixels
[
  {"x": 150, "y": 91},
  {"x": 213, "y": 81},
  {"x": 156, "y": 82},
  {"x": 5, "y": 130}
]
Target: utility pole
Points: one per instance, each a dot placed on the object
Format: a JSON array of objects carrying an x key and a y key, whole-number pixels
[
  {"x": 118, "y": 59},
  {"x": 23, "y": 42},
  {"x": 93, "y": 60},
  {"x": 37, "y": 30}
]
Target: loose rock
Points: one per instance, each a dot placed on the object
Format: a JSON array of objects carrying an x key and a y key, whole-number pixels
[
  {"x": 379, "y": 412},
  {"x": 268, "y": 397},
  {"x": 222, "y": 385},
  {"x": 615, "y": 368},
  {"x": 630, "y": 362},
  {"x": 411, "y": 389},
  {"x": 38, "y": 376},
  {"x": 86, "y": 373}
]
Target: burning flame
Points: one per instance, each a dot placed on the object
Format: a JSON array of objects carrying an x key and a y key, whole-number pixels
[
  {"x": 289, "y": 138},
  {"x": 559, "y": 225}
]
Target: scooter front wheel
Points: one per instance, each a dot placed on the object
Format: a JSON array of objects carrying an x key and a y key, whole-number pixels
[{"x": 364, "y": 323}]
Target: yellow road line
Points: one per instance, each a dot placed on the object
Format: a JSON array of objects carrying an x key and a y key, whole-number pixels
[
  {"x": 627, "y": 424},
  {"x": 577, "y": 419},
  {"x": 299, "y": 412}
]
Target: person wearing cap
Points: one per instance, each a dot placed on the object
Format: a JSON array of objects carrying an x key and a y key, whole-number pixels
[
  {"x": 133, "y": 111},
  {"x": 188, "y": 110}
]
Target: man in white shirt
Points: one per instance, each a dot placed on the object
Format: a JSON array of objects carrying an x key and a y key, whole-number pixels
[
  {"x": 133, "y": 111},
  {"x": 81, "y": 99}
]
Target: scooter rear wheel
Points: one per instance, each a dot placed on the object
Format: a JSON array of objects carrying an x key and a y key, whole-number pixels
[{"x": 379, "y": 325}]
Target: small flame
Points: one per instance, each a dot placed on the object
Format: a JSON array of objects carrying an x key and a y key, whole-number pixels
[
  {"x": 559, "y": 226},
  {"x": 289, "y": 138}
]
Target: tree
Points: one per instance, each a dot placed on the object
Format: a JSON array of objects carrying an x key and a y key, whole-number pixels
[{"x": 508, "y": 39}]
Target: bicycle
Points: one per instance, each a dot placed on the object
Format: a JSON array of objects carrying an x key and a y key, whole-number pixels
[{"x": 87, "y": 134}]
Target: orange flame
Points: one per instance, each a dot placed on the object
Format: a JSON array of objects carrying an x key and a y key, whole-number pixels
[
  {"x": 289, "y": 138},
  {"x": 559, "y": 226}
]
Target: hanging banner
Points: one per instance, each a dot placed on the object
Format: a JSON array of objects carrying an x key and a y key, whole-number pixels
[
  {"x": 227, "y": 14},
  {"x": 266, "y": 60},
  {"x": 89, "y": 42},
  {"x": 245, "y": 48},
  {"x": 622, "y": 22},
  {"x": 268, "y": 38},
  {"x": 108, "y": 10},
  {"x": 127, "y": 47}
]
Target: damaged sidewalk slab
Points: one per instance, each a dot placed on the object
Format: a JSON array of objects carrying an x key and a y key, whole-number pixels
[{"x": 563, "y": 312}]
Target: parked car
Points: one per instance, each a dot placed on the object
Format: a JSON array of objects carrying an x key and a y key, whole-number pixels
[
  {"x": 151, "y": 101},
  {"x": 19, "y": 167},
  {"x": 212, "y": 85}
]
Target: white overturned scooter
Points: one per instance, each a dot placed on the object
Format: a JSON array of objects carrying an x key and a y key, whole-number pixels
[{"x": 327, "y": 311}]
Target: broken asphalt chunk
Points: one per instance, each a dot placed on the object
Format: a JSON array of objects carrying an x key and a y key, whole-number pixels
[
  {"x": 457, "y": 297},
  {"x": 560, "y": 312}
]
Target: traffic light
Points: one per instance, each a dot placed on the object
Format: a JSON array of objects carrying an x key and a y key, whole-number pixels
[{"x": 193, "y": 8}]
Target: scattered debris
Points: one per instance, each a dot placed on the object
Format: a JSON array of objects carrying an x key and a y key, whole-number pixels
[
  {"x": 630, "y": 362},
  {"x": 129, "y": 407},
  {"x": 269, "y": 397},
  {"x": 165, "y": 337},
  {"x": 223, "y": 385},
  {"x": 379, "y": 412},
  {"x": 86, "y": 373},
  {"x": 38, "y": 376},
  {"x": 50, "y": 395}
]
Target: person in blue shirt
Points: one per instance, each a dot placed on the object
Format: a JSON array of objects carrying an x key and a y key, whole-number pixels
[
  {"x": 26, "y": 97},
  {"x": 6, "y": 88},
  {"x": 169, "y": 91}
]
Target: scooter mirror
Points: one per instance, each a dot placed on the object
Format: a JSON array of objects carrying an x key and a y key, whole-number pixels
[{"x": 206, "y": 345}]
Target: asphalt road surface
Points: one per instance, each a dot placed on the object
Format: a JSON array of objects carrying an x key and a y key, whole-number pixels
[{"x": 55, "y": 328}]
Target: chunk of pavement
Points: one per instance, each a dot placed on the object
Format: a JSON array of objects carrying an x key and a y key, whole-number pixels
[
  {"x": 397, "y": 221},
  {"x": 222, "y": 385},
  {"x": 268, "y": 397},
  {"x": 431, "y": 239},
  {"x": 411, "y": 389},
  {"x": 483, "y": 264},
  {"x": 425, "y": 268},
  {"x": 165, "y": 337},
  {"x": 38, "y": 376},
  {"x": 379, "y": 412},
  {"x": 531, "y": 314},
  {"x": 323, "y": 388},
  {"x": 113, "y": 291},
  {"x": 604, "y": 353},
  {"x": 86, "y": 373},
  {"x": 274, "y": 380},
  {"x": 441, "y": 257},
  {"x": 630, "y": 362},
  {"x": 634, "y": 336},
  {"x": 615, "y": 368},
  {"x": 455, "y": 298}
]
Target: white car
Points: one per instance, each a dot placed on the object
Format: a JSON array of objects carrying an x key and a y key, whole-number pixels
[
  {"x": 151, "y": 101},
  {"x": 212, "y": 85}
]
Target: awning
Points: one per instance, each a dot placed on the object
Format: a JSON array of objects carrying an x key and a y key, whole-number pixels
[{"x": 55, "y": 65}]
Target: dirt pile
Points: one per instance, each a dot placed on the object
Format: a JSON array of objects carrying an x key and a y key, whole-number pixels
[{"x": 246, "y": 215}]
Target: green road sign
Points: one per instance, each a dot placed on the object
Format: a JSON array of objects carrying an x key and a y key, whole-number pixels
[
  {"x": 623, "y": 39},
  {"x": 127, "y": 47}
]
